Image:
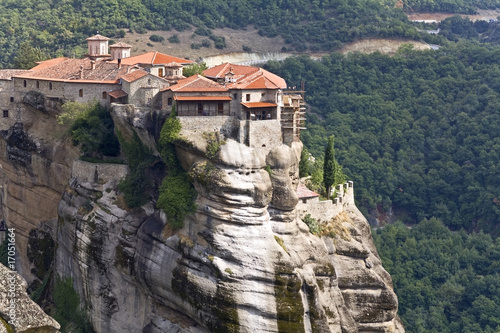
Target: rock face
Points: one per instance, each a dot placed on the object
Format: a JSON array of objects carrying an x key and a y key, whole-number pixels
[
  {"x": 243, "y": 262},
  {"x": 18, "y": 313}
]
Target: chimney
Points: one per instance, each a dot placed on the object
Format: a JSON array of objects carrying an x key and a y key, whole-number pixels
[
  {"x": 81, "y": 72},
  {"x": 119, "y": 62},
  {"x": 92, "y": 64}
]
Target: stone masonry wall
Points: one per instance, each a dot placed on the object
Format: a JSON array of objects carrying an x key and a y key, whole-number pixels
[
  {"x": 328, "y": 209},
  {"x": 226, "y": 125},
  {"x": 265, "y": 133},
  {"x": 105, "y": 171}
]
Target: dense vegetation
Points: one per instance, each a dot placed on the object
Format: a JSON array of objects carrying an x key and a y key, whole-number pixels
[
  {"x": 67, "y": 311},
  {"x": 59, "y": 28},
  {"x": 446, "y": 281},
  {"x": 450, "y": 6},
  {"x": 177, "y": 194},
  {"x": 91, "y": 127},
  {"x": 417, "y": 131}
]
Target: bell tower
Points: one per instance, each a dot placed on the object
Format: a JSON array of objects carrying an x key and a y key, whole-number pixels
[{"x": 97, "y": 47}]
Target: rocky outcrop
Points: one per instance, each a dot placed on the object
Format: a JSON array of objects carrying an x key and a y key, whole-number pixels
[
  {"x": 243, "y": 262},
  {"x": 18, "y": 313}
]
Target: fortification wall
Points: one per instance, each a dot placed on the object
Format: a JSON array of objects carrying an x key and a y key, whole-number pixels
[
  {"x": 102, "y": 172},
  {"x": 326, "y": 210},
  {"x": 265, "y": 133}
]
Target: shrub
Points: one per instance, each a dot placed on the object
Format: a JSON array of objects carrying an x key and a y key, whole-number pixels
[
  {"x": 174, "y": 39},
  {"x": 247, "y": 48},
  {"x": 156, "y": 38},
  {"x": 135, "y": 184},
  {"x": 92, "y": 128},
  {"x": 67, "y": 310},
  {"x": 312, "y": 223},
  {"x": 177, "y": 194}
]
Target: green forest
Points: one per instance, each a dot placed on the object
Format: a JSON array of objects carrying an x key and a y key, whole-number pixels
[
  {"x": 417, "y": 132},
  {"x": 59, "y": 27}
]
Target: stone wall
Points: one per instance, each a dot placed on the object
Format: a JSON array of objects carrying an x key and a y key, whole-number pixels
[
  {"x": 264, "y": 133},
  {"x": 105, "y": 171},
  {"x": 328, "y": 209},
  {"x": 226, "y": 125}
]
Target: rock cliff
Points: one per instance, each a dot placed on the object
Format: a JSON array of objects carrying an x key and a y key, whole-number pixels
[
  {"x": 243, "y": 262},
  {"x": 18, "y": 313}
]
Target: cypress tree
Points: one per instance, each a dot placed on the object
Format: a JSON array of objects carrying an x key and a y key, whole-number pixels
[{"x": 329, "y": 166}]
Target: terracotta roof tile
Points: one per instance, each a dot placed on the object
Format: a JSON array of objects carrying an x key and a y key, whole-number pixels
[
  {"x": 246, "y": 77},
  {"x": 152, "y": 58},
  {"x": 79, "y": 69},
  {"x": 121, "y": 44},
  {"x": 48, "y": 63},
  {"x": 303, "y": 192},
  {"x": 117, "y": 93},
  {"x": 135, "y": 75},
  {"x": 202, "y": 98},
  {"x": 197, "y": 83},
  {"x": 252, "y": 105},
  {"x": 98, "y": 37},
  {"x": 7, "y": 74}
]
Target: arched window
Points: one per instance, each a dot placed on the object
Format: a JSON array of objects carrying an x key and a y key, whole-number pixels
[
  {"x": 50, "y": 85},
  {"x": 24, "y": 83},
  {"x": 80, "y": 92},
  {"x": 169, "y": 101},
  {"x": 149, "y": 82},
  {"x": 37, "y": 84}
]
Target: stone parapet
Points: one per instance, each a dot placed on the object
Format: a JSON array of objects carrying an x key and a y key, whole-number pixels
[{"x": 98, "y": 172}]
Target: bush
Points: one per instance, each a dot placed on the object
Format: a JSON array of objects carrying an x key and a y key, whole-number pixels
[
  {"x": 246, "y": 48},
  {"x": 67, "y": 310},
  {"x": 139, "y": 158},
  {"x": 156, "y": 38},
  {"x": 206, "y": 43},
  {"x": 92, "y": 128},
  {"x": 174, "y": 39},
  {"x": 195, "y": 46},
  {"x": 177, "y": 194}
]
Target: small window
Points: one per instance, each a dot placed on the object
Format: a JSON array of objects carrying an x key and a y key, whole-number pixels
[
  {"x": 37, "y": 84},
  {"x": 24, "y": 83},
  {"x": 248, "y": 97},
  {"x": 235, "y": 96},
  {"x": 50, "y": 85},
  {"x": 104, "y": 95},
  {"x": 5, "y": 113},
  {"x": 169, "y": 101},
  {"x": 12, "y": 99},
  {"x": 149, "y": 82},
  {"x": 220, "y": 107},
  {"x": 80, "y": 92},
  {"x": 160, "y": 72},
  {"x": 200, "y": 106}
]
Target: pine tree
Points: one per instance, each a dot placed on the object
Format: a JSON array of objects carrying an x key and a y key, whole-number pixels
[{"x": 27, "y": 56}]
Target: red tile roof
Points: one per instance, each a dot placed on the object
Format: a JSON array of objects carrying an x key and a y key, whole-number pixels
[
  {"x": 246, "y": 77},
  {"x": 152, "y": 58},
  {"x": 7, "y": 74},
  {"x": 121, "y": 44},
  {"x": 135, "y": 75},
  {"x": 78, "y": 70},
  {"x": 48, "y": 63},
  {"x": 252, "y": 105},
  {"x": 117, "y": 93},
  {"x": 197, "y": 83},
  {"x": 98, "y": 37},
  {"x": 202, "y": 98},
  {"x": 303, "y": 192}
]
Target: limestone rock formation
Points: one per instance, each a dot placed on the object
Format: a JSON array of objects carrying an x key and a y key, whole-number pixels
[
  {"x": 18, "y": 313},
  {"x": 243, "y": 262}
]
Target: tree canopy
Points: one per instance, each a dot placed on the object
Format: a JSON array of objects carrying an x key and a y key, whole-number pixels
[{"x": 417, "y": 132}]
